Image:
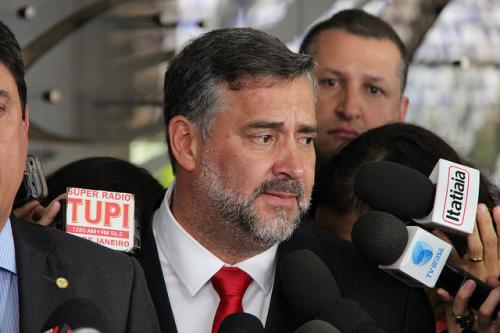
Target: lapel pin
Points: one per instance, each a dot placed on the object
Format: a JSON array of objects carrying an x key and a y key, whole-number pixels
[{"x": 62, "y": 283}]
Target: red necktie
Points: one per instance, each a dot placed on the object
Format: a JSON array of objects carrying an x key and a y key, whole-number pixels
[{"x": 230, "y": 283}]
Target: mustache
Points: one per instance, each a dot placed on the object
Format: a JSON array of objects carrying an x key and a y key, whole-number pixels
[{"x": 281, "y": 185}]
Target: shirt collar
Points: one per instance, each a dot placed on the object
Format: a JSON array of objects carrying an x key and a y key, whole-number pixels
[
  {"x": 7, "y": 249},
  {"x": 193, "y": 263}
]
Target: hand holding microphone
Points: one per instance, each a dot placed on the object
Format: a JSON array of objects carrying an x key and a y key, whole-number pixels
[
  {"x": 412, "y": 255},
  {"x": 482, "y": 256},
  {"x": 487, "y": 319}
]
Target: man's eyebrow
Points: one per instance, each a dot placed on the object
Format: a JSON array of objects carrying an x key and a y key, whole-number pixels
[
  {"x": 334, "y": 71},
  {"x": 265, "y": 124},
  {"x": 373, "y": 78},
  {"x": 308, "y": 129}
]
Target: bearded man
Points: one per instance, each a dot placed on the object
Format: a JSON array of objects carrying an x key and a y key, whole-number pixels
[{"x": 240, "y": 116}]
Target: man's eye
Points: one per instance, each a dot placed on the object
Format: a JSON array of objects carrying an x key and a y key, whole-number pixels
[
  {"x": 308, "y": 140},
  {"x": 264, "y": 138},
  {"x": 374, "y": 90},
  {"x": 330, "y": 82}
]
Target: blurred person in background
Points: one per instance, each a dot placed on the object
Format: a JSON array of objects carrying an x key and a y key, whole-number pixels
[
  {"x": 362, "y": 69},
  {"x": 338, "y": 207}
]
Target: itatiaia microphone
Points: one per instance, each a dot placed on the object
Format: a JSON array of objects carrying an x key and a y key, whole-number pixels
[
  {"x": 77, "y": 314},
  {"x": 312, "y": 293},
  {"x": 412, "y": 255},
  {"x": 241, "y": 322},
  {"x": 446, "y": 200}
]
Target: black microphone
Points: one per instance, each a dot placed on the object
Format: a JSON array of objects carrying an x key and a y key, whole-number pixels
[
  {"x": 317, "y": 326},
  {"x": 241, "y": 322},
  {"x": 77, "y": 314},
  {"x": 413, "y": 255},
  {"x": 394, "y": 188},
  {"x": 446, "y": 200},
  {"x": 312, "y": 293}
]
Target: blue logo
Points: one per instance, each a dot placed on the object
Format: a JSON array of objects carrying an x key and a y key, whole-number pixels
[{"x": 422, "y": 253}]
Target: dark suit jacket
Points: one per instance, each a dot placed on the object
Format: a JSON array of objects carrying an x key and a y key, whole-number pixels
[
  {"x": 113, "y": 280},
  {"x": 395, "y": 307}
]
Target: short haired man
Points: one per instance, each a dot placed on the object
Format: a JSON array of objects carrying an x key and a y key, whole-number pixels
[
  {"x": 240, "y": 118},
  {"x": 362, "y": 69},
  {"x": 40, "y": 268}
]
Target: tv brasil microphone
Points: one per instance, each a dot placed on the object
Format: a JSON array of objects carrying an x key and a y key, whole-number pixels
[
  {"x": 312, "y": 293},
  {"x": 446, "y": 200},
  {"x": 413, "y": 255},
  {"x": 241, "y": 322},
  {"x": 77, "y": 315}
]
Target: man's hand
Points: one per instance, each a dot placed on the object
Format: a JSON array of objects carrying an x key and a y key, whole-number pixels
[{"x": 34, "y": 212}]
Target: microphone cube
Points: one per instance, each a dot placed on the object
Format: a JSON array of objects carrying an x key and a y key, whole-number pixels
[
  {"x": 422, "y": 261},
  {"x": 456, "y": 199}
]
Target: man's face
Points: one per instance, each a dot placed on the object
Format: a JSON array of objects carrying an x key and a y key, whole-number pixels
[
  {"x": 258, "y": 162},
  {"x": 359, "y": 87},
  {"x": 13, "y": 142}
]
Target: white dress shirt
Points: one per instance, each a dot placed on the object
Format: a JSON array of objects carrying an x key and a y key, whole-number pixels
[{"x": 188, "y": 267}]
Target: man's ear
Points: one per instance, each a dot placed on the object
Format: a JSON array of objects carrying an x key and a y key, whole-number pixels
[
  {"x": 184, "y": 141},
  {"x": 403, "y": 108}
]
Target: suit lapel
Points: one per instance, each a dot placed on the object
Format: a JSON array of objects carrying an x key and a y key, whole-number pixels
[
  {"x": 148, "y": 257},
  {"x": 275, "y": 322},
  {"x": 38, "y": 269}
]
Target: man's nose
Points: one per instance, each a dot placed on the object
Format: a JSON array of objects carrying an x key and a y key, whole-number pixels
[
  {"x": 349, "y": 107},
  {"x": 291, "y": 161}
]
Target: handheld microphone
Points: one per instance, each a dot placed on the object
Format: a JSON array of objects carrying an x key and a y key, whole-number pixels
[
  {"x": 446, "y": 200},
  {"x": 77, "y": 315},
  {"x": 241, "y": 322},
  {"x": 412, "y": 255},
  {"x": 312, "y": 293},
  {"x": 317, "y": 326}
]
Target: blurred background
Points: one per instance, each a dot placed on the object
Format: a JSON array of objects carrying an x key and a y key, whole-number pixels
[{"x": 95, "y": 68}]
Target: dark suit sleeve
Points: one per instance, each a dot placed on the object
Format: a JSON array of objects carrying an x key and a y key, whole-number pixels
[
  {"x": 142, "y": 315},
  {"x": 418, "y": 315}
]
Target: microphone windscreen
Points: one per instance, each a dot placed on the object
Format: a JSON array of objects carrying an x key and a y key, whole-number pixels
[
  {"x": 241, "y": 322},
  {"x": 78, "y": 313},
  {"x": 380, "y": 237},
  {"x": 308, "y": 284},
  {"x": 394, "y": 188},
  {"x": 317, "y": 326},
  {"x": 349, "y": 317}
]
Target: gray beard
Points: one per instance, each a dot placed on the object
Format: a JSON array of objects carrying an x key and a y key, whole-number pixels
[{"x": 239, "y": 210}]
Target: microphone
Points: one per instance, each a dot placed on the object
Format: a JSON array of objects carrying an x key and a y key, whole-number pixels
[
  {"x": 312, "y": 293},
  {"x": 446, "y": 200},
  {"x": 412, "y": 255},
  {"x": 77, "y": 315},
  {"x": 317, "y": 326},
  {"x": 241, "y": 322}
]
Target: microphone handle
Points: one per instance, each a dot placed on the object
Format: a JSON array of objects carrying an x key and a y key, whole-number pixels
[{"x": 452, "y": 278}]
